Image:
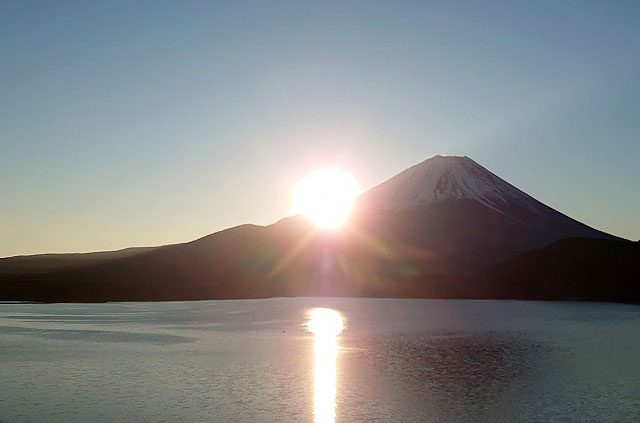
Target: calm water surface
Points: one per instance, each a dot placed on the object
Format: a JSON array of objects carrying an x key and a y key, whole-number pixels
[{"x": 281, "y": 360}]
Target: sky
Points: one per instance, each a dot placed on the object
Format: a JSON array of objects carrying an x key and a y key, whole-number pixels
[{"x": 146, "y": 123}]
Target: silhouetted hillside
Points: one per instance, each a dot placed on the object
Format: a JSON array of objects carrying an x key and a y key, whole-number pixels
[
  {"x": 431, "y": 231},
  {"x": 44, "y": 263},
  {"x": 571, "y": 269}
]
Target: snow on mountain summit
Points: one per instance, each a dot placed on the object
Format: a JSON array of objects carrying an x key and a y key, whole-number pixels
[{"x": 442, "y": 179}]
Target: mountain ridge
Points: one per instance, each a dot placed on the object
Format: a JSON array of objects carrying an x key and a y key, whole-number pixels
[{"x": 437, "y": 249}]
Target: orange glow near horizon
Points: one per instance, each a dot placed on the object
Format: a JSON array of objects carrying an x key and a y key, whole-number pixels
[
  {"x": 326, "y": 325},
  {"x": 325, "y": 197}
]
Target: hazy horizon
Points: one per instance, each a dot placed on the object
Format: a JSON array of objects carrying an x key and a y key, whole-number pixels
[{"x": 148, "y": 124}]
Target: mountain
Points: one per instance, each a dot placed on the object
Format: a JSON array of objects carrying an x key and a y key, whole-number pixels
[
  {"x": 465, "y": 214},
  {"x": 446, "y": 179},
  {"x": 440, "y": 229}
]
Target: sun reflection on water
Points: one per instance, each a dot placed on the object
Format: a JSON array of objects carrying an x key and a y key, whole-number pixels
[{"x": 326, "y": 324}]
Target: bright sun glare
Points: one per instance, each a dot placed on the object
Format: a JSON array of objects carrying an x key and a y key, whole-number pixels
[
  {"x": 325, "y": 196},
  {"x": 326, "y": 324}
]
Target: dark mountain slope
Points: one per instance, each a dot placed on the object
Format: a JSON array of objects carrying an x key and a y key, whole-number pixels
[
  {"x": 289, "y": 258},
  {"x": 194, "y": 270},
  {"x": 466, "y": 213},
  {"x": 44, "y": 263},
  {"x": 571, "y": 269}
]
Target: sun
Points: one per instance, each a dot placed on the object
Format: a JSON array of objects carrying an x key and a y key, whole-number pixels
[{"x": 325, "y": 197}]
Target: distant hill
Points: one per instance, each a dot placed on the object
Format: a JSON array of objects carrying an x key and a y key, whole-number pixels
[
  {"x": 572, "y": 269},
  {"x": 445, "y": 228},
  {"x": 44, "y": 263}
]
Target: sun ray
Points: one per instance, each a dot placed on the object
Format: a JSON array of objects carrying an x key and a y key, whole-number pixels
[{"x": 291, "y": 254}]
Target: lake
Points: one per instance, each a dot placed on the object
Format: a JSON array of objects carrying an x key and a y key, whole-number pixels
[{"x": 320, "y": 359}]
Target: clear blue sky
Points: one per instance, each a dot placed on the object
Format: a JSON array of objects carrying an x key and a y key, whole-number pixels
[{"x": 143, "y": 123}]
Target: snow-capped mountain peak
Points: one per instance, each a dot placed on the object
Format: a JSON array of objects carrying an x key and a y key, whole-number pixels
[{"x": 442, "y": 179}]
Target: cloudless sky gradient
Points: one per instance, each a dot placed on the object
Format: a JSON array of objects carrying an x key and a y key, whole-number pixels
[{"x": 145, "y": 123}]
